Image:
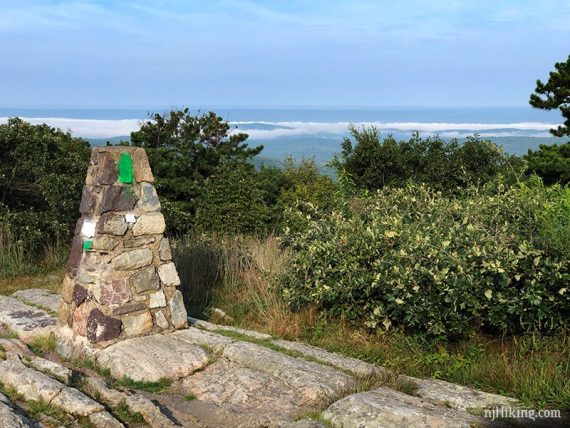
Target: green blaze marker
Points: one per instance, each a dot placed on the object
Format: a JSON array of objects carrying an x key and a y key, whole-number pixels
[
  {"x": 87, "y": 245},
  {"x": 126, "y": 168}
]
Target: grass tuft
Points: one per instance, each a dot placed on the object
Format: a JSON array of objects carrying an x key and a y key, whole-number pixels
[
  {"x": 41, "y": 345},
  {"x": 152, "y": 387},
  {"x": 125, "y": 415}
]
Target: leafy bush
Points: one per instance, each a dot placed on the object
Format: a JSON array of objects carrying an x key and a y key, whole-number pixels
[
  {"x": 446, "y": 166},
  {"x": 429, "y": 263},
  {"x": 232, "y": 203},
  {"x": 305, "y": 191},
  {"x": 42, "y": 170}
]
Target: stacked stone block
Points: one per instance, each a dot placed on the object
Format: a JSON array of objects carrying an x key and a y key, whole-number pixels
[{"x": 120, "y": 281}]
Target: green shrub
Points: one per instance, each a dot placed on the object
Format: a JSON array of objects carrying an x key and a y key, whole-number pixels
[
  {"x": 232, "y": 203},
  {"x": 447, "y": 166},
  {"x": 429, "y": 263},
  {"x": 306, "y": 191},
  {"x": 42, "y": 170}
]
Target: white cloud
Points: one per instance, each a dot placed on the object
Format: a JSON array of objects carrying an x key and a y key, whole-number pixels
[{"x": 99, "y": 128}]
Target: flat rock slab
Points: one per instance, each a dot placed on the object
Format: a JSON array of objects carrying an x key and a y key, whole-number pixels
[
  {"x": 37, "y": 386},
  {"x": 358, "y": 367},
  {"x": 9, "y": 418},
  {"x": 213, "y": 327},
  {"x": 56, "y": 370},
  {"x": 28, "y": 322},
  {"x": 313, "y": 381},
  {"x": 458, "y": 396},
  {"x": 385, "y": 408},
  {"x": 245, "y": 391},
  {"x": 152, "y": 358},
  {"x": 39, "y": 297},
  {"x": 195, "y": 336}
]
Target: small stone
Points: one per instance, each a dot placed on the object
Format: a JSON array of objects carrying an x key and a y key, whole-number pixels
[
  {"x": 104, "y": 243},
  {"x": 117, "y": 198},
  {"x": 75, "y": 255},
  {"x": 164, "y": 250},
  {"x": 101, "y": 328},
  {"x": 141, "y": 166},
  {"x": 106, "y": 169},
  {"x": 90, "y": 269},
  {"x": 128, "y": 308},
  {"x": 112, "y": 224},
  {"x": 67, "y": 289},
  {"x": 135, "y": 325},
  {"x": 87, "y": 201},
  {"x": 145, "y": 280},
  {"x": 161, "y": 321},
  {"x": 84, "y": 277},
  {"x": 168, "y": 274},
  {"x": 138, "y": 242},
  {"x": 157, "y": 300},
  {"x": 178, "y": 315},
  {"x": 80, "y": 317},
  {"x": 149, "y": 199},
  {"x": 149, "y": 224},
  {"x": 112, "y": 292},
  {"x": 79, "y": 294},
  {"x": 133, "y": 259}
]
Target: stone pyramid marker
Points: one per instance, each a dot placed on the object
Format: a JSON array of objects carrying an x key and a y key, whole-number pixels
[{"x": 120, "y": 281}]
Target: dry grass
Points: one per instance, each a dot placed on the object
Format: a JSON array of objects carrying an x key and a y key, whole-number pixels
[
  {"x": 15, "y": 263},
  {"x": 240, "y": 276},
  {"x": 50, "y": 282}
]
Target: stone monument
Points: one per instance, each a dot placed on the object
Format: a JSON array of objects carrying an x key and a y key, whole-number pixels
[{"x": 120, "y": 281}]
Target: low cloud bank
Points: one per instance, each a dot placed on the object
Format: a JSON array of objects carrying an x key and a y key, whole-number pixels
[{"x": 100, "y": 128}]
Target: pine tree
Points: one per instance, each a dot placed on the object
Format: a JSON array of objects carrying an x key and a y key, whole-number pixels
[{"x": 555, "y": 94}]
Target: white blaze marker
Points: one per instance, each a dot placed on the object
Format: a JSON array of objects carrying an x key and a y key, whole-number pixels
[{"x": 88, "y": 228}]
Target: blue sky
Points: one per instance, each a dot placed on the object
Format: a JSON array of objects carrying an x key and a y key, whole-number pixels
[{"x": 301, "y": 53}]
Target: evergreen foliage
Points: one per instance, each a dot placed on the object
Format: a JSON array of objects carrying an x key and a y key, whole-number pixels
[
  {"x": 184, "y": 151},
  {"x": 551, "y": 163},
  {"x": 555, "y": 94}
]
